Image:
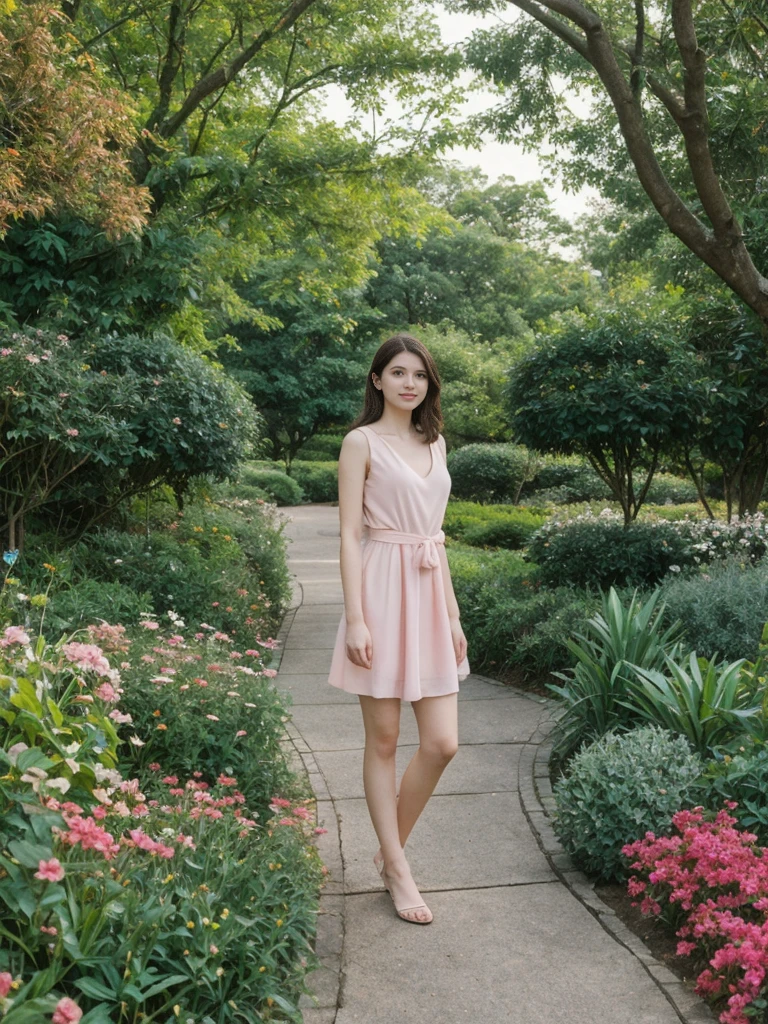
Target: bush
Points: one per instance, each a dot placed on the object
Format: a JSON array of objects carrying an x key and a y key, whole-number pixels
[
  {"x": 596, "y": 690},
  {"x": 211, "y": 908},
  {"x": 508, "y": 621},
  {"x": 742, "y": 778},
  {"x": 673, "y": 490},
  {"x": 723, "y": 610},
  {"x": 565, "y": 479},
  {"x": 504, "y": 526},
  {"x": 318, "y": 480},
  {"x": 589, "y": 550},
  {"x": 279, "y": 486},
  {"x": 619, "y": 788},
  {"x": 91, "y": 600},
  {"x": 490, "y": 472},
  {"x": 321, "y": 448}
]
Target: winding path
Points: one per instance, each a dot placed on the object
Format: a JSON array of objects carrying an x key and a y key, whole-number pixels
[{"x": 518, "y": 935}]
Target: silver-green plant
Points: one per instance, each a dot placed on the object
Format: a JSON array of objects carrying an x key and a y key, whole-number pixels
[{"x": 596, "y": 689}]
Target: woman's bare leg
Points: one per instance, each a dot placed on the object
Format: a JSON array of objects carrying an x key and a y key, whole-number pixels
[
  {"x": 437, "y": 719},
  {"x": 381, "y": 718}
]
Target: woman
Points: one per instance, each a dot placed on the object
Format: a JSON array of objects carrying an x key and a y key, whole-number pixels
[{"x": 400, "y": 637}]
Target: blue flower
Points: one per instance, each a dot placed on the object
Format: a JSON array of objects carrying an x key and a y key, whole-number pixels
[{"x": 9, "y": 557}]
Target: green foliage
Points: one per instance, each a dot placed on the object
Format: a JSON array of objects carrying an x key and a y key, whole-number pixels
[
  {"x": 501, "y": 526},
  {"x": 490, "y": 472},
  {"x": 601, "y": 551},
  {"x": 318, "y": 480},
  {"x": 321, "y": 448},
  {"x": 281, "y": 488},
  {"x": 86, "y": 425},
  {"x": 707, "y": 702},
  {"x": 618, "y": 642},
  {"x": 91, "y": 600},
  {"x": 205, "y": 707},
  {"x": 616, "y": 387},
  {"x": 619, "y": 788},
  {"x": 669, "y": 489},
  {"x": 510, "y": 623},
  {"x": 723, "y": 610},
  {"x": 563, "y": 479},
  {"x": 743, "y": 778}
]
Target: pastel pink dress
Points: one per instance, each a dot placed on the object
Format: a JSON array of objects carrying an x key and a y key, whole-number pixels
[{"x": 403, "y": 599}]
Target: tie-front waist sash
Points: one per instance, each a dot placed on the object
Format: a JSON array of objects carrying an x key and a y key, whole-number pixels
[{"x": 424, "y": 554}]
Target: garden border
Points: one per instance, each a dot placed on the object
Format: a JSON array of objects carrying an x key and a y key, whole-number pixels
[{"x": 538, "y": 802}]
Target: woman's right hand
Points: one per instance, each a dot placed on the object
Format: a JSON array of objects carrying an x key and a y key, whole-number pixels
[{"x": 359, "y": 645}]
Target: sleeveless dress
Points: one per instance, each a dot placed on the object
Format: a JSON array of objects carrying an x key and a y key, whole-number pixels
[{"x": 403, "y": 599}]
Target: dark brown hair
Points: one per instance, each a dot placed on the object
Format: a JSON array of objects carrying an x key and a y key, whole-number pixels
[{"x": 426, "y": 417}]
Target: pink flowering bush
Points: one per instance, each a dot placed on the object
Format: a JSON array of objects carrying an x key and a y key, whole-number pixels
[
  {"x": 710, "y": 880},
  {"x": 121, "y": 894}
]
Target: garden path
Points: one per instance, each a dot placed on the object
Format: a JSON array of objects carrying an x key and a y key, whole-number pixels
[{"x": 509, "y": 941}]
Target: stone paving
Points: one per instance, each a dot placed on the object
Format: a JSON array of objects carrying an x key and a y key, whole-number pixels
[{"x": 509, "y": 941}]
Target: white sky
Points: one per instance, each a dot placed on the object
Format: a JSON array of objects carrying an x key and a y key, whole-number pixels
[{"x": 493, "y": 158}]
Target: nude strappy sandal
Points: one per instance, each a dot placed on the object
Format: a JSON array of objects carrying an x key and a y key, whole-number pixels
[{"x": 402, "y": 911}]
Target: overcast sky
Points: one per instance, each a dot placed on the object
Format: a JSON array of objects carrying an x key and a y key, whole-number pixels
[{"x": 494, "y": 158}]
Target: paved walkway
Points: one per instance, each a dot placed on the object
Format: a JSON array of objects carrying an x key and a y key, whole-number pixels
[{"x": 509, "y": 942}]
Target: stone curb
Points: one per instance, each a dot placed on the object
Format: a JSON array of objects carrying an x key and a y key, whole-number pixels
[
  {"x": 326, "y": 981},
  {"x": 538, "y": 803}
]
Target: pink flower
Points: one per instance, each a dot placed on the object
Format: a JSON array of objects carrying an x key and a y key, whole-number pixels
[
  {"x": 106, "y": 692},
  {"x": 241, "y": 732},
  {"x": 6, "y": 351},
  {"x": 67, "y": 1012},
  {"x": 279, "y": 801},
  {"x": 176, "y": 420},
  {"x": 320, "y": 831},
  {"x": 148, "y": 624},
  {"x": 87, "y": 657},
  {"x": 14, "y": 635},
  {"x": 270, "y": 673},
  {"x": 50, "y": 870},
  {"x": 214, "y": 949},
  {"x": 213, "y": 718},
  {"x": 49, "y": 930},
  {"x": 32, "y": 359},
  {"x": 71, "y": 432},
  {"x": 6, "y": 980}
]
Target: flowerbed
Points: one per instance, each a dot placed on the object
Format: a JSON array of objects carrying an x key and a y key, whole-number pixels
[
  {"x": 710, "y": 881},
  {"x": 164, "y": 897}
]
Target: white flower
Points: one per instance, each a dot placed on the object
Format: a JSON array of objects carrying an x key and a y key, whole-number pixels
[{"x": 136, "y": 741}]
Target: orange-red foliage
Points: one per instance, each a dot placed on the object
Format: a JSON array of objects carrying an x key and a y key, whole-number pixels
[{"x": 63, "y": 131}]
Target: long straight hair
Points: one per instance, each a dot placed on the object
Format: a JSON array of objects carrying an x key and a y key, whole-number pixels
[{"x": 426, "y": 417}]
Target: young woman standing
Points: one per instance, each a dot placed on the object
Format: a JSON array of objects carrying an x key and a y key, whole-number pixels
[{"x": 400, "y": 637}]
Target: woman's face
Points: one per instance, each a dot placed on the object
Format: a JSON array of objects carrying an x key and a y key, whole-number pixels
[{"x": 404, "y": 375}]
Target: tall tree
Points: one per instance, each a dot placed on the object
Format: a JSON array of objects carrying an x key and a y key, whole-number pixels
[{"x": 678, "y": 98}]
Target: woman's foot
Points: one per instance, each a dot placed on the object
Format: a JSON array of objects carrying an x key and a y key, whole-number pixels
[{"x": 405, "y": 895}]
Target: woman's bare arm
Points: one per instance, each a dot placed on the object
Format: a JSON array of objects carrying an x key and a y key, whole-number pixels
[{"x": 353, "y": 459}]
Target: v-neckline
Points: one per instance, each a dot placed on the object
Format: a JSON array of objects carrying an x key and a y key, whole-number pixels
[{"x": 431, "y": 454}]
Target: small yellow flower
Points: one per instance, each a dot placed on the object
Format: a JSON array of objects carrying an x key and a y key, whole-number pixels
[
  {"x": 225, "y": 913},
  {"x": 215, "y": 926},
  {"x": 177, "y": 1009},
  {"x": 190, "y": 924},
  {"x": 186, "y": 952},
  {"x": 157, "y": 713},
  {"x": 206, "y": 921},
  {"x": 262, "y": 969},
  {"x": 168, "y": 878},
  {"x": 279, "y": 922},
  {"x": 227, "y": 537},
  {"x": 214, "y": 529},
  {"x": 219, "y": 971},
  {"x": 49, "y": 567}
]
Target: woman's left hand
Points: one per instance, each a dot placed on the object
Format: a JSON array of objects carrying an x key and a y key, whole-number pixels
[{"x": 459, "y": 641}]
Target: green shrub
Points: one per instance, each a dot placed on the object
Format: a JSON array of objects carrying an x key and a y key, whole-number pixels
[
  {"x": 247, "y": 469},
  {"x": 723, "y": 610},
  {"x": 600, "y": 551},
  {"x": 92, "y": 600},
  {"x": 617, "y": 642},
  {"x": 509, "y": 622},
  {"x": 321, "y": 448},
  {"x": 565, "y": 478},
  {"x": 617, "y": 789},
  {"x": 504, "y": 526},
  {"x": 490, "y": 472},
  {"x": 282, "y": 488},
  {"x": 673, "y": 490},
  {"x": 743, "y": 778},
  {"x": 318, "y": 480}
]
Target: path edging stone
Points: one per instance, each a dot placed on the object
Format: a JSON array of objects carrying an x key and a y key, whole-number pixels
[{"x": 538, "y": 803}]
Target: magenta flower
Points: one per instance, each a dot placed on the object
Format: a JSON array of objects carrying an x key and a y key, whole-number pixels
[
  {"x": 50, "y": 870},
  {"x": 6, "y": 980}
]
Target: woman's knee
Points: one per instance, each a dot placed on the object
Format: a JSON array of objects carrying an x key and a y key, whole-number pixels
[
  {"x": 383, "y": 741},
  {"x": 441, "y": 749}
]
